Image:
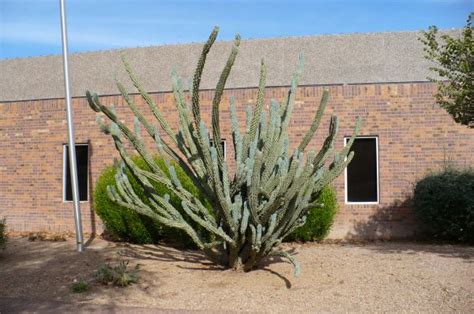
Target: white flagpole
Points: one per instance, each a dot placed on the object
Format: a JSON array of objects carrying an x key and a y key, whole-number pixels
[{"x": 70, "y": 133}]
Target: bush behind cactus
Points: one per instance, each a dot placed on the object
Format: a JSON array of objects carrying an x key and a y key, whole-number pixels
[
  {"x": 128, "y": 225},
  {"x": 319, "y": 220}
]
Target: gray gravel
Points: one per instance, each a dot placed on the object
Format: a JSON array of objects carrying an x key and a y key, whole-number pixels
[{"x": 385, "y": 277}]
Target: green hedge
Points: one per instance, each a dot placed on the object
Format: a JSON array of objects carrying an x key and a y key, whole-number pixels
[
  {"x": 127, "y": 225},
  {"x": 319, "y": 220},
  {"x": 444, "y": 204}
]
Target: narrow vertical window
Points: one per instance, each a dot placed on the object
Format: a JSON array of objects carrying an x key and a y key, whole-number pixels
[
  {"x": 82, "y": 162},
  {"x": 361, "y": 176}
]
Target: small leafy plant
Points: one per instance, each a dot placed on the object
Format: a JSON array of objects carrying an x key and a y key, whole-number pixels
[
  {"x": 454, "y": 66},
  {"x": 45, "y": 236},
  {"x": 119, "y": 275},
  {"x": 80, "y": 286}
]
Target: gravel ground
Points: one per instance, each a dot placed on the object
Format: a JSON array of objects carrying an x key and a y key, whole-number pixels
[{"x": 380, "y": 277}]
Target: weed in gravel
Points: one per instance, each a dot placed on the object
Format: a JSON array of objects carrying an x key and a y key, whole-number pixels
[
  {"x": 80, "y": 286},
  {"x": 45, "y": 236},
  {"x": 118, "y": 275}
]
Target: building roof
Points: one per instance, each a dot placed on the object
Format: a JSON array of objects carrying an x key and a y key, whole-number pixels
[{"x": 329, "y": 59}]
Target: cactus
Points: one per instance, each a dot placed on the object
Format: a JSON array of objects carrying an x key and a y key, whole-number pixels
[{"x": 266, "y": 198}]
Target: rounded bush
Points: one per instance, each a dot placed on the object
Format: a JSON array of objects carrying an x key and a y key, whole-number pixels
[
  {"x": 126, "y": 224},
  {"x": 444, "y": 204},
  {"x": 319, "y": 220}
]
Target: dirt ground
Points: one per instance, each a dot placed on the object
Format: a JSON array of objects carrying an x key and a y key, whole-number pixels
[{"x": 383, "y": 277}]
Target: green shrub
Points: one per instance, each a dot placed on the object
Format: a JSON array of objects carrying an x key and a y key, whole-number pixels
[
  {"x": 126, "y": 224},
  {"x": 319, "y": 220},
  {"x": 444, "y": 204},
  {"x": 3, "y": 233},
  {"x": 80, "y": 286},
  {"x": 118, "y": 275}
]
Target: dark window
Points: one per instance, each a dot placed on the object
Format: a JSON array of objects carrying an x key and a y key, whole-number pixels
[
  {"x": 361, "y": 177},
  {"x": 82, "y": 162}
]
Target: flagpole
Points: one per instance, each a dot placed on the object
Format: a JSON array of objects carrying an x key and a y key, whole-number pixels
[{"x": 70, "y": 133}]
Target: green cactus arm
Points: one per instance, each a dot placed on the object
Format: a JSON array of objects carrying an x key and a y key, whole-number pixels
[
  {"x": 270, "y": 208},
  {"x": 137, "y": 143},
  {"x": 114, "y": 196},
  {"x": 316, "y": 121},
  {"x": 349, "y": 143},
  {"x": 225, "y": 203},
  {"x": 127, "y": 192},
  {"x": 250, "y": 135},
  {"x": 301, "y": 179},
  {"x": 330, "y": 175},
  {"x": 177, "y": 220},
  {"x": 197, "y": 178},
  {"x": 162, "y": 178},
  {"x": 149, "y": 101},
  {"x": 146, "y": 185},
  {"x": 300, "y": 222},
  {"x": 145, "y": 210},
  {"x": 198, "y": 74},
  {"x": 290, "y": 258},
  {"x": 301, "y": 199},
  {"x": 204, "y": 223},
  {"x": 217, "y": 99},
  {"x": 283, "y": 121},
  {"x": 134, "y": 108},
  {"x": 292, "y": 194},
  {"x": 287, "y": 109},
  {"x": 188, "y": 136},
  {"x": 159, "y": 117},
  {"x": 328, "y": 145},
  {"x": 271, "y": 228},
  {"x": 184, "y": 121},
  {"x": 237, "y": 138},
  {"x": 253, "y": 188}
]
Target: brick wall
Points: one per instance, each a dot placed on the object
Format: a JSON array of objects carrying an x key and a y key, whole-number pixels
[{"x": 415, "y": 137}]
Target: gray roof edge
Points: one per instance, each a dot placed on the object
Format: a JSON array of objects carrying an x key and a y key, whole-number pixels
[{"x": 358, "y": 58}]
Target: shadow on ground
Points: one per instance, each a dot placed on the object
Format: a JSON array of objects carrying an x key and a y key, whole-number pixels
[
  {"x": 197, "y": 259},
  {"x": 167, "y": 254},
  {"x": 45, "y": 270},
  {"x": 393, "y": 229},
  {"x": 22, "y": 305}
]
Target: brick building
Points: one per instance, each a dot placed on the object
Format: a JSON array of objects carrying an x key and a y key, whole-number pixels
[{"x": 379, "y": 76}]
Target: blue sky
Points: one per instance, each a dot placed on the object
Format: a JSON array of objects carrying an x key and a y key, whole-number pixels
[{"x": 31, "y": 27}]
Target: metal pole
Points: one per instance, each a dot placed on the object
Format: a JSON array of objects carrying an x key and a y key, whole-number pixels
[{"x": 70, "y": 133}]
